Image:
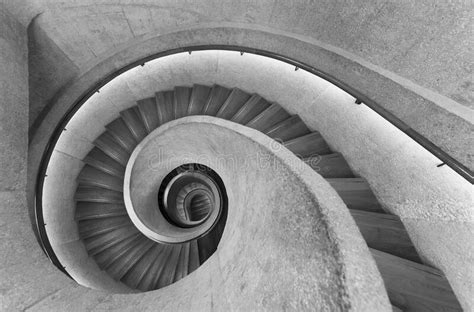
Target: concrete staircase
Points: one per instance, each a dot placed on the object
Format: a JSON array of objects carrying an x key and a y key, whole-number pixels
[{"x": 142, "y": 264}]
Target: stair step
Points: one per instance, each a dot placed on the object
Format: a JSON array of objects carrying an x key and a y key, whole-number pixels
[
  {"x": 291, "y": 128},
  {"x": 181, "y": 101},
  {"x": 169, "y": 269},
  {"x": 141, "y": 269},
  {"x": 217, "y": 97},
  {"x": 254, "y": 106},
  {"x": 309, "y": 145},
  {"x": 199, "y": 98},
  {"x": 120, "y": 132},
  {"x": 94, "y": 227},
  {"x": 164, "y": 104},
  {"x": 330, "y": 166},
  {"x": 150, "y": 280},
  {"x": 98, "y": 195},
  {"x": 268, "y": 118},
  {"x": 206, "y": 246},
  {"x": 134, "y": 122},
  {"x": 97, "y": 244},
  {"x": 237, "y": 98},
  {"x": 415, "y": 287},
  {"x": 149, "y": 113},
  {"x": 90, "y": 211},
  {"x": 99, "y": 160},
  {"x": 183, "y": 261},
  {"x": 193, "y": 256},
  {"x": 112, "y": 148},
  {"x": 106, "y": 257},
  {"x": 126, "y": 260},
  {"x": 356, "y": 194},
  {"x": 90, "y": 176},
  {"x": 386, "y": 233}
]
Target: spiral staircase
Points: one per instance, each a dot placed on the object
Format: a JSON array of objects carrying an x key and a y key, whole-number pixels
[{"x": 143, "y": 264}]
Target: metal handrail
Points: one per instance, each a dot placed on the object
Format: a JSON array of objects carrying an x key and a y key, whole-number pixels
[{"x": 445, "y": 158}]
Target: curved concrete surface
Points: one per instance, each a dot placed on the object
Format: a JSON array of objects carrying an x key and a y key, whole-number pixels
[
  {"x": 296, "y": 226},
  {"x": 448, "y": 125},
  {"x": 403, "y": 175},
  {"x": 434, "y": 52},
  {"x": 140, "y": 191}
]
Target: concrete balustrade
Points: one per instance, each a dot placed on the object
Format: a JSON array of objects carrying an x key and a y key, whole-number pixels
[{"x": 387, "y": 159}]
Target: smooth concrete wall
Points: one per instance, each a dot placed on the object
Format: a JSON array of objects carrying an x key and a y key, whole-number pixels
[{"x": 403, "y": 175}]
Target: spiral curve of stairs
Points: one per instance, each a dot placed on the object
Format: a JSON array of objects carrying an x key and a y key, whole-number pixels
[{"x": 127, "y": 255}]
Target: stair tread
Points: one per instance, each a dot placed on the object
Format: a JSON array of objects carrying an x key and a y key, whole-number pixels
[
  {"x": 181, "y": 101},
  {"x": 150, "y": 280},
  {"x": 122, "y": 135},
  {"x": 98, "y": 195},
  {"x": 216, "y": 98},
  {"x": 89, "y": 228},
  {"x": 182, "y": 264},
  {"x": 356, "y": 194},
  {"x": 309, "y": 145},
  {"x": 198, "y": 100},
  {"x": 98, "y": 159},
  {"x": 149, "y": 113},
  {"x": 254, "y": 106},
  {"x": 138, "y": 272},
  {"x": 106, "y": 257},
  {"x": 101, "y": 242},
  {"x": 415, "y": 287},
  {"x": 330, "y": 166},
  {"x": 168, "y": 273},
  {"x": 386, "y": 233},
  {"x": 93, "y": 177},
  {"x": 207, "y": 245},
  {"x": 268, "y": 118},
  {"x": 291, "y": 128},
  {"x": 233, "y": 103},
  {"x": 193, "y": 256},
  {"x": 134, "y": 122},
  {"x": 112, "y": 148},
  {"x": 87, "y": 211},
  {"x": 125, "y": 261},
  {"x": 164, "y": 104}
]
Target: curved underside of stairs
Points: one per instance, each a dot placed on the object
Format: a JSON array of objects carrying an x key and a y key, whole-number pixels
[{"x": 120, "y": 248}]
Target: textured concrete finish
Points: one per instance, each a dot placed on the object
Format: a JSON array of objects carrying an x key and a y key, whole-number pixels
[
  {"x": 26, "y": 276},
  {"x": 441, "y": 127},
  {"x": 59, "y": 210},
  {"x": 44, "y": 82},
  {"x": 13, "y": 103},
  {"x": 307, "y": 236},
  {"x": 403, "y": 175},
  {"x": 282, "y": 218},
  {"x": 450, "y": 246},
  {"x": 424, "y": 42}
]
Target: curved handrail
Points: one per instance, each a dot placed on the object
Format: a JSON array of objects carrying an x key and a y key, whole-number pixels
[{"x": 457, "y": 166}]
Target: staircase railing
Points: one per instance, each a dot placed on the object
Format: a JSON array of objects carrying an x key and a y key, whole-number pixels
[{"x": 445, "y": 158}]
